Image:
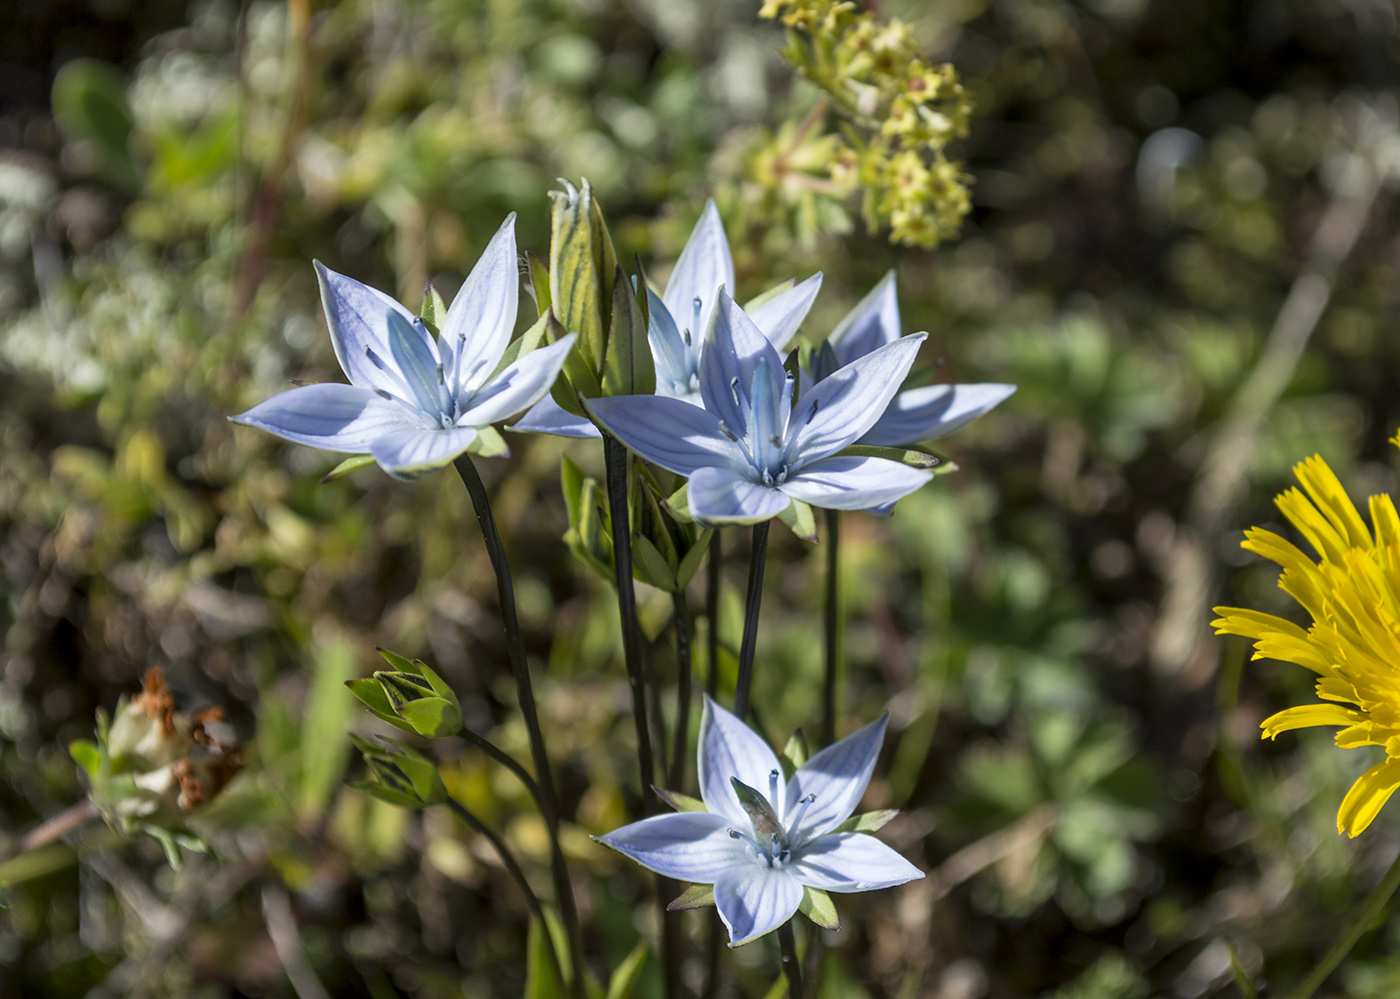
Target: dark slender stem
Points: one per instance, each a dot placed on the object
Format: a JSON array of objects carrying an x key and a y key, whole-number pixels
[
  {"x": 714, "y": 932},
  {"x": 833, "y": 625},
  {"x": 507, "y": 761},
  {"x": 515, "y": 651},
  {"x": 757, "y": 558},
  {"x": 683, "y": 678},
  {"x": 712, "y": 584},
  {"x": 513, "y": 869},
  {"x": 71, "y": 819},
  {"x": 1363, "y": 921},
  {"x": 791, "y": 965},
  {"x": 615, "y": 456}
]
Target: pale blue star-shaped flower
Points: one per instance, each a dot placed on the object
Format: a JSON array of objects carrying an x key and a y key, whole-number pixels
[
  {"x": 762, "y": 840},
  {"x": 415, "y": 403},
  {"x": 678, "y": 318},
  {"x": 750, "y": 452},
  {"x": 918, "y": 414}
]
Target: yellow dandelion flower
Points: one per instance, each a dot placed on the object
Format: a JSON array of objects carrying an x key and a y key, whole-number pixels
[{"x": 1352, "y": 594}]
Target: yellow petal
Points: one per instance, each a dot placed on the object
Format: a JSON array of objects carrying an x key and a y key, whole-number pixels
[
  {"x": 1253, "y": 623},
  {"x": 1371, "y": 790},
  {"x": 1324, "y": 538},
  {"x": 1326, "y": 491},
  {"x": 1386, "y": 521},
  {"x": 1308, "y": 715}
]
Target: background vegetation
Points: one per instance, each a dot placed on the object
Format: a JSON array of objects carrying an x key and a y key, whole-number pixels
[{"x": 1182, "y": 249}]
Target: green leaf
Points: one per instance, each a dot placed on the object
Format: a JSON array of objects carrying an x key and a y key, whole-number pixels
[
  {"x": 795, "y": 752},
  {"x": 86, "y": 754},
  {"x": 628, "y": 368},
  {"x": 489, "y": 444},
  {"x": 541, "y": 980},
  {"x": 89, "y": 104},
  {"x": 347, "y": 466},
  {"x": 650, "y": 566},
  {"x": 680, "y": 802},
  {"x": 323, "y": 747},
  {"x": 819, "y": 908},
  {"x": 800, "y": 520},
  {"x": 694, "y": 897},
  {"x": 870, "y": 822},
  {"x": 691, "y": 562},
  {"x": 571, "y": 479},
  {"x": 401, "y": 664},
  {"x": 678, "y": 505},
  {"x": 906, "y": 456},
  {"x": 434, "y": 310},
  {"x": 432, "y": 717},
  {"x": 386, "y": 795},
  {"x": 625, "y": 975},
  {"x": 539, "y": 282},
  {"x": 1242, "y": 980}
]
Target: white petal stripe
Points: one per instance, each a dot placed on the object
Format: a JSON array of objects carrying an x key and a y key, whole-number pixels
[
  {"x": 850, "y": 862},
  {"x": 331, "y": 416},
  {"x": 754, "y": 899}
]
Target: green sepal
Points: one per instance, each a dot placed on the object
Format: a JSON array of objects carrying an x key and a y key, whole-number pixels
[
  {"x": 384, "y": 794},
  {"x": 522, "y": 345},
  {"x": 800, "y": 520},
  {"x": 539, "y": 282},
  {"x": 415, "y": 693},
  {"x": 678, "y": 504},
  {"x": 434, "y": 310},
  {"x": 433, "y": 717},
  {"x": 350, "y": 464},
  {"x": 623, "y": 981},
  {"x": 650, "y": 566},
  {"x": 870, "y": 822},
  {"x": 399, "y": 775},
  {"x": 489, "y": 443},
  {"x": 794, "y": 753},
  {"x": 579, "y": 381},
  {"x": 401, "y": 664},
  {"x": 372, "y": 695},
  {"x": 770, "y": 294},
  {"x": 628, "y": 368},
  {"x": 691, "y": 562},
  {"x": 694, "y": 897},
  {"x": 582, "y": 265},
  {"x": 86, "y": 754},
  {"x": 541, "y": 979},
  {"x": 588, "y": 537},
  {"x": 905, "y": 456},
  {"x": 819, "y": 908},
  {"x": 680, "y": 802}
]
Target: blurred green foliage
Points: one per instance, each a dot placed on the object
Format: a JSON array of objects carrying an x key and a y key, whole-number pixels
[{"x": 1100, "y": 822}]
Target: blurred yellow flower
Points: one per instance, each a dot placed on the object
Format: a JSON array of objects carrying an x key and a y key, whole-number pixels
[{"x": 1353, "y": 643}]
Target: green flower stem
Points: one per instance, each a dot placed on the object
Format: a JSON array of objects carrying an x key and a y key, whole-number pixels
[
  {"x": 833, "y": 625},
  {"x": 513, "y": 868},
  {"x": 712, "y": 587},
  {"x": 515, "y": 650},
  {"x": 792, "y": 967},
  {"x": 1365, "y": 917},
  {"x": 507, "y": 761},
  {"x": 757, "y": 558},
  {"x": 683, "y": 667},
  {"x": 714, "y": 939},
  {"x": 615, "y": 457}
]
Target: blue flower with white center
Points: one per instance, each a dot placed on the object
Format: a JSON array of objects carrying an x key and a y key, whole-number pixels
[
  {"x": 750, "y": 451},
  {"x": 678, "y": 318},
  {"x": 415, "y": 403},
  {"x": 918, "y": 414},
  {"x": 762, "y": 841}
]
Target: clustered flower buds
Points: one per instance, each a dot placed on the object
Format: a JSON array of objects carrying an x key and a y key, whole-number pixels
[{"x": 901, "y": 110}]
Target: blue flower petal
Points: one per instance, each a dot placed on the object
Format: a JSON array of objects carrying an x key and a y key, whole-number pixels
[
  {"x": 728, "y": 496},
  {"x": 873, "y": 323},
  {"x": 332, "y": 416},
  {"x": 667, "y": 432},
  {"x": 837, "y": 778},
  {"x": 923, "y": 414},
  {"x": 754, "y": 899},
  {"x": 357, "y": 316},
  {"x": 481, "y": 318},
  {"x": 519, "y": 386},
  {"x": 703, "y": 266},
  {"x": 687, "y": 846},
  {"x": 848, "y": 483},
  {"x": 416, "y": 356},
  {"x": 675, "y": 359},
  {"x": 409, "y": 454},
  {"x": 729, "y": 748},
  {"x": 781, "y": 315},
  {"x": 548, "y": 417},
  {"x": 733, "y": 345},
  {"x": 843, "y": 406},
  {"x": 849, "y": 862}
]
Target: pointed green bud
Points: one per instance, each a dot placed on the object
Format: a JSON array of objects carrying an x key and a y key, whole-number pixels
[
  {"x": 434, "y": 310},
  {"x": 760, "y": 812},
  {"x": 416, "y": 695},
  {"x": 398, "y": 775},
  {"x": 694, "y": 897}
]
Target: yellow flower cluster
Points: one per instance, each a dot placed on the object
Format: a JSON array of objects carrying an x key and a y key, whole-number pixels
[
  {"x": 1353, "y": 644},
  {"x": 901, "y": 112}
]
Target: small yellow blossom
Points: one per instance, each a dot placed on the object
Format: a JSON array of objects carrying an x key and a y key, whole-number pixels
[{"x": 1352, "y": 595}]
